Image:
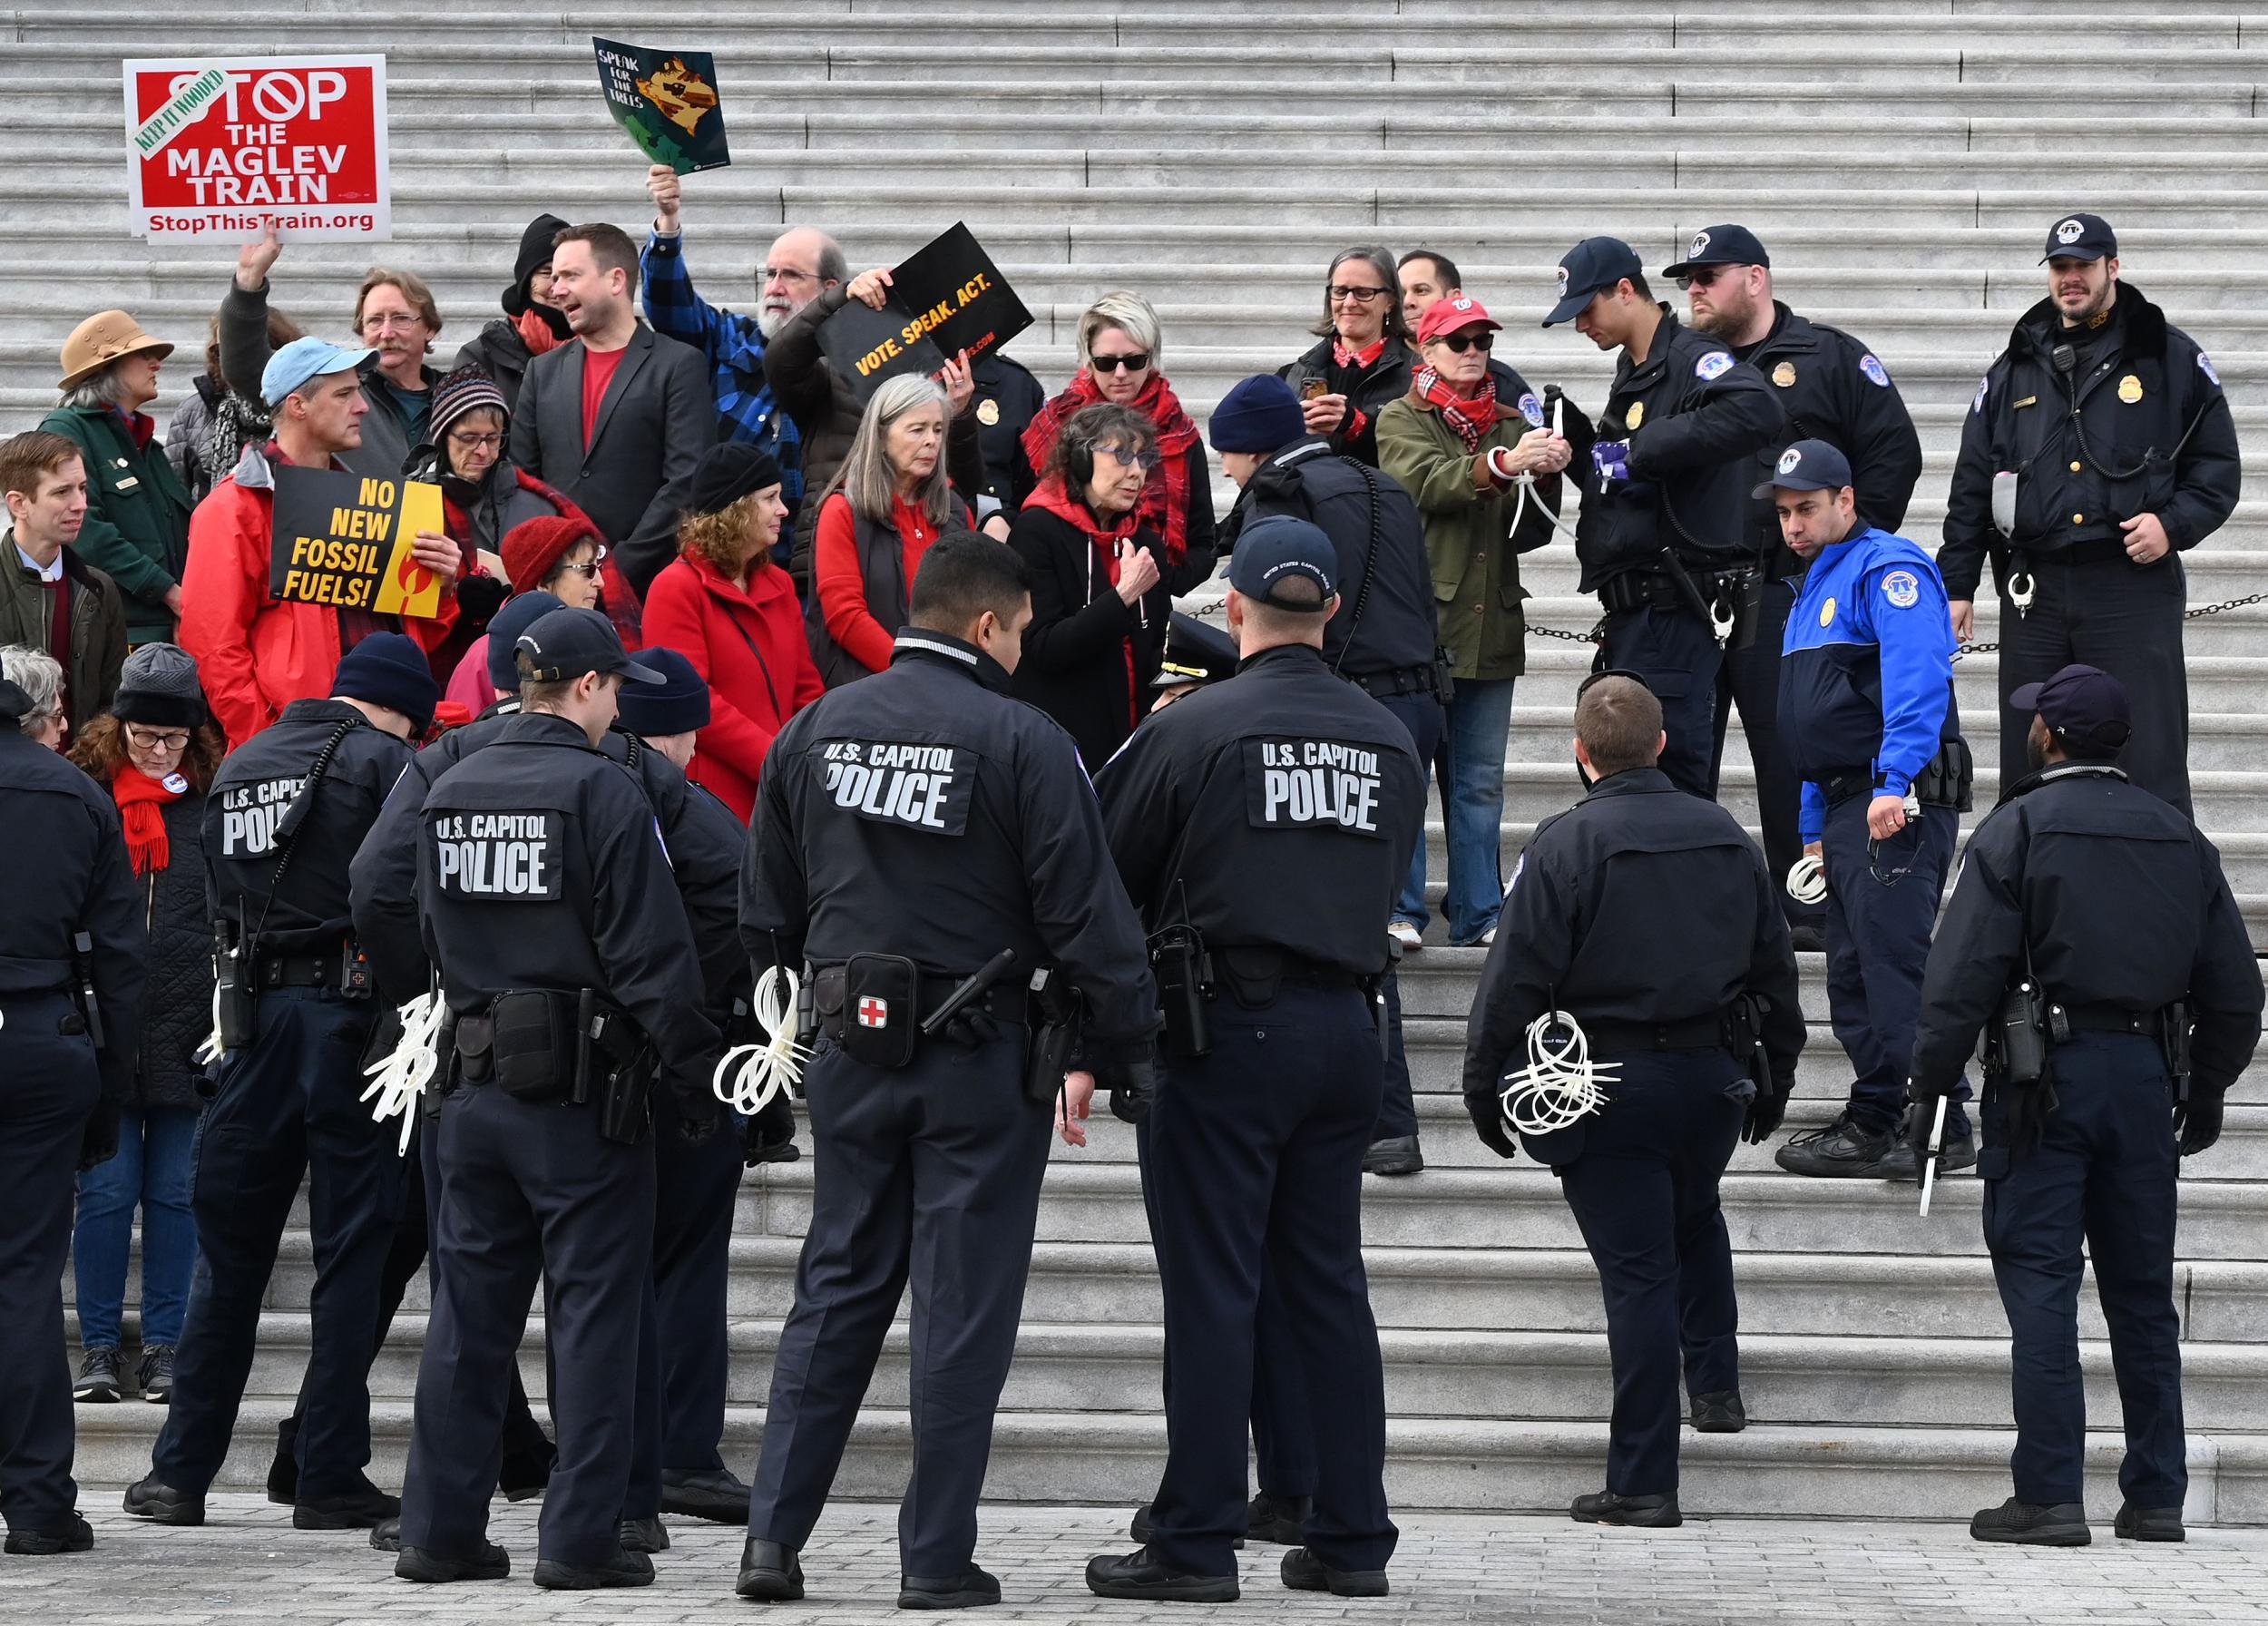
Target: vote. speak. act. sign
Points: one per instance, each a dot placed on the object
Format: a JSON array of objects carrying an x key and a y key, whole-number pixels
[{"x": 220, "y": 147}]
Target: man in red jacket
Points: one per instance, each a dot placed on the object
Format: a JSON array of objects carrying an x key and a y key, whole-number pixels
[{"x": 258, "y": 654}]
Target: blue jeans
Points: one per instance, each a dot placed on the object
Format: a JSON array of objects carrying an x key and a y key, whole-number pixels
[
  {"x": 152, "y": 1168},
  {"x": 1480, "y": 720}
]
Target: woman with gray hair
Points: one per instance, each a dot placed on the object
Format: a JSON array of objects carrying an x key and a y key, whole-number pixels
[
  {"x": 890, "y": 500},
  {"x": 39, "y": 676},
  {"x": 1363, "y": 360},
  {"x": 137, "y": 509}
]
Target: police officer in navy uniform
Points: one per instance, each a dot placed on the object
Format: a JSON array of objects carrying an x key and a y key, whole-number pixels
[
  {"x": 1272, "y": 816},
  {"x": 70, "y": 1032},
  {"x": 1833, "y": 389},
  {"x": 1649, "y": 918},
  {"x": 564, "y": 955},
  {"x": 1008, "y": 397},
  {"x": 2109, "y": 424},
  {"x": 299, "y": 1005},
  {"x": 1868, "y": 716},
  {"x": 2114, "y": 909},
  {"x": 910, "y": 829},
  {"x": 1665, "y": 527}
]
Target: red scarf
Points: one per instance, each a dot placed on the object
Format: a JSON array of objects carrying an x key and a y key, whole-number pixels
[
  {"x": 141, "y": 802},
  {"x": 1050, "y": 497},
  {"x": 535, "y": 332},
  {"x": 1470, "y": 416},
  {"x": 1164, "y": 504},
  {"x": 1366, "y": 357}
]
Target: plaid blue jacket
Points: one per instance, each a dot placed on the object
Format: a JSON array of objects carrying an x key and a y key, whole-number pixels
[{"x": 734, "y": 346}]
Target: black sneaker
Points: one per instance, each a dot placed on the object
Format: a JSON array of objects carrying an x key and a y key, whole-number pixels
[
  {"x": 75, "y": 1536},
  {"x": 153, "y": 1499},
  {"x": 712, "y": 1493},
  {"x": 1720, "y": 1412},
  {"x": 1393, "y": 1155},
  {"x": 363, "y": 1508},
  {"x": 156, "y": 1375},
  {"x": 972, "y": 1588},
  {"x": 1141, "y": 1529},
  {"x": 101, "y": 1378},
  {"x": 1841, "y": 1149},
  {"x": 385, "y": 1535},
  {"x": 1959, "y": 1152},
  {"x": 1278, "y": 1519},
  {"x": 643, "y": 1535},
  {"x": 1642, "y": 1512},
  {"x": 1138, "y": 1575},
  {"x": 769, "y": 1572},
  {"x": 624, "y": 1569},
  {"x": 2149, "y": 1524},
  {"x": 283, "y": 1469},
  {"x": 2033, "y": 1525},
  {"x": 414, "y": 1564},
  {"x": 1305, "y": 1572}
]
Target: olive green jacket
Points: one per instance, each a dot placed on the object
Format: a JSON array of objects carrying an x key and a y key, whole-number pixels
[{"x": 137, "y": 515}]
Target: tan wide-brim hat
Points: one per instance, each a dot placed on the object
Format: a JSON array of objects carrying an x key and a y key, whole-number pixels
[{"x": 102, "y": 339}]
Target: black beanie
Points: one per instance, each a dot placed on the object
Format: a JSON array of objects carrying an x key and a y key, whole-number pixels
[
  {"x": 677, "y": 705},
  {"x": 388, "y": 669},
  {"x": 728, "y": 473},
  {"x": 535, "y": 249}
]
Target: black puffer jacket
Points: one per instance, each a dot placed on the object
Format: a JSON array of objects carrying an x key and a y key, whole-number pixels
[{"x": 177, "y": 1009}]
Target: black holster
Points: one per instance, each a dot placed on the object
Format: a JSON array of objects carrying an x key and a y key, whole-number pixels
[
  {"x": 1055, "y": 1039},
  {"x": 1947, "y": 778},
  {"x": 1184, "y": 974},
  {"x": 2174, "y": 1033},
  {"x": 1743, "y": 1037},
  {"x": 2015, "y": 1058},
  {"x": 622, "y": 1065},
  {"x": 238, "y": 1004}
]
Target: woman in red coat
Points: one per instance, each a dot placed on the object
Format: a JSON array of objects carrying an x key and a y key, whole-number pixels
[{"x": 729, "y": 610}]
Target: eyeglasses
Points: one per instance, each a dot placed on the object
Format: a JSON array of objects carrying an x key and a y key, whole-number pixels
[
  {"x": 1459, "y": 343},
  {"x": 1134, "y": 361},
  {"x": 1146, "y": 459},
  {"x": 147, "y": 740},
  {"x": 783, "y": 273},
  {"x": 1340, "y": 291},
  {"x": 1702, "y": 276},
  {"x": 472, "y": 443},
  {"x": 380, "y": 324}
]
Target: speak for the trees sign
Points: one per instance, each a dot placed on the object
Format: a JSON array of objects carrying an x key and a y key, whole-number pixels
[{"x": 220, "y": 147}]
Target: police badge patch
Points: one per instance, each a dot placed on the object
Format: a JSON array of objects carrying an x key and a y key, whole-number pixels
[
  {"x": 1532, "y": 409},
  {"x": 1715, "y": 365},
  {"x": 2206, "y": 366},
  {"x": 1873, "y": 370},
  {"x": 1901, "y": 589},
  {"x": 1783, "y": 374},
  {"x": 1983, "y": 385}
]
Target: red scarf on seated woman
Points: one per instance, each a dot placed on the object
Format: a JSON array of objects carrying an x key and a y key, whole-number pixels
[
  {"x": 142, "y": 811},
  {"x": 1050, "y": 497},
  {"x": 1164, "y": 504},
  {"x": 1472, "y": 416}
]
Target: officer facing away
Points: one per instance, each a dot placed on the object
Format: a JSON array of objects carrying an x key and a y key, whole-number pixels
[
  {"x": 1832, "y": 389},
  {"x": 1663, "y": 533},
  {"x": 70, "y": 1032},
  {"x": 1648, "y": 917},
  {"x": 909, "y": 829},
  {"x": 2091, "y": 930},
  {"x": 1867, "y": 713},
  {"x": 2099, "y": 445},
  {"x": 564, "y": 957},
  {"x": 298, "y": 1006},
  {"x": 1263, "y": 826}
]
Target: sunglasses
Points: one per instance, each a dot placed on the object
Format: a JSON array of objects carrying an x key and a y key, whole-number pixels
[
  {"x": 1340, "y": 290},
  {"x": 1459, "y": 343},
  {"x": 1134, "y": 362},
  {"x": 1146, "y": 459},
  {"x": 589, "y": 570},
  {"x": 1702, "y": 276}
]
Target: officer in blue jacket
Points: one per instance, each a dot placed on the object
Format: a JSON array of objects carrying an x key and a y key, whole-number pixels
[{"x": 1866, "y": 707}]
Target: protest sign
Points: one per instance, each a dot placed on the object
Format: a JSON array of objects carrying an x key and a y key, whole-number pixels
[
  {"x": 667, "y": 102},
  {"x": 345, "y": 540},
  {"x": 948, "y": 297},
  {"x": 218, "y": 147}
]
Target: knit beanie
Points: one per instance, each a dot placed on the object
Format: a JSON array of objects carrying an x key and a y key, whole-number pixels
[
  {"x": 679, "y": 704},
  {"x": 159, "y": 686},
  {"x": 520, "y": 612},
  {"x": 533, "y": 548},
  {"x": 388, "y": 669},
  {"x": 1258, "y": 415},
  {"x": 728, "y": 473},
  {"x": 467, "y": 390}
]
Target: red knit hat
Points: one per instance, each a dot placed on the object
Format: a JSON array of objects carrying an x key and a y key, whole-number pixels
[{"x": 533, "y": 548}]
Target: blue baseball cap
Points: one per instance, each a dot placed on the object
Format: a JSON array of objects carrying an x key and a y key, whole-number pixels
[
  {"x": 1807, "y": 465},
  {"x": 1720, "y": 245},
  {"x": 518, "y": 614},
  {"x": 2083, "y": 706},
  {"x": 1277, "y": 547},
  {"x": 2080, "y": 237},
  {"x": 1595, "y": 263},
  {"x": 568, "y": 643},
  {"x": 291, "y": 367}
]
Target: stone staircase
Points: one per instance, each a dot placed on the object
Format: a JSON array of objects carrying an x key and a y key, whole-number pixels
[{"x": 1902, "y": 159}]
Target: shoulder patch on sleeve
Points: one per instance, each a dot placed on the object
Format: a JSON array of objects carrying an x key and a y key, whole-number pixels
[
  {"x": 2204, "y": 365},
  {"x": 1984, "y": 385},
  {"x": 1532, "y": 409},
  {"x": 1715, "y": 365},
  {"x": 1519, "y": 864},
  {"x": 1874, "y": 370},
  {"x": 1901, "y": 589}
]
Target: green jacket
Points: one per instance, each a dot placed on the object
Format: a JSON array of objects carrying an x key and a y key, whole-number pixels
[
  {"x": 1477, "y": 593},
  {"x": 98, "y": 627},
  {"x": 137, "y": 515}
]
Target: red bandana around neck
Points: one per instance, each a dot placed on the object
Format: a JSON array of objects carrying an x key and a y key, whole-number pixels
[
  {"x": 141, "y": 802},
  {"x": 1163, "y": 506},
  {"x": 1366, "y": 357},
  {"x": 1470, "y": 416}
]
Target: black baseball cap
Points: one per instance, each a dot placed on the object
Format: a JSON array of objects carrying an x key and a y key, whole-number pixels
[
  {"x": 2083, "y": 706},
  {"x": 1807, "y": 465},
  {"x": 564, "y": 644},
  {"x": 1720, "y": 245},
  {"x": 2080, "y": 237},
  {"x": 1195, "y": 652},
  {"x": 1595, "y": 263},
  {"x": 1271, "y": 549}
]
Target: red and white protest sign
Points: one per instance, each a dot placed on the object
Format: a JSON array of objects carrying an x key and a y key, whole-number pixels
[{"x": 218, "y": 147}]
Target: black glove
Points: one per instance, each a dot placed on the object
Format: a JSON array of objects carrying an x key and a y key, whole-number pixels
[
  {"x": 99, "y": 1143},
  {"x": 478, "y": 598},
  {"x": 1765, "y": 1113},
  {"x": 2197, "y": 1121},
  {"x": 1488, "y": 1122},
  {"x": 1133, "y": 1086},
  {"x": 696, "y": 1121},
  {"x": 1922, "y": 1119},
  {"x": 770, "y": 1137}
]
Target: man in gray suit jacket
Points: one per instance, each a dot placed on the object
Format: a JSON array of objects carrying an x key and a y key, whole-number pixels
[{"x": 617, "y": 416}]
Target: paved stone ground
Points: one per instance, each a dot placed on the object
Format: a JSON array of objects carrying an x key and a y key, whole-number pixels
[{"x": 247, "y": 1564}]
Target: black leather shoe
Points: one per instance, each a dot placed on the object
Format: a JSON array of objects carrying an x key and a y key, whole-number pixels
[
  {"x": 1138, "y": 1575},
  {"x": 1640, "y": 1513},
  {"x": 2033, "y": 1525},
  {"x": 974, "y": 1589},
  {"x": 712, "y": 1493},
  {"x": 2149, "y": 1524},
  {"x": 283, "y": 1469},
  {"x": 1141, "y": 1529},
  {"x": 1305, "y": 1572},
  {"x": 769, "y": 1572},
  {"x": 1720, "y": 1412},
  {"x": 624, "y": 1569},
  {"x": 1395, "y": 1155},
  {"x": 1840, "y": 1148},
  {"x": 160, "y": 1503},
  {"x": 73, "y": 1535},
  {"x": 385, "y": 1535},
  {"x": 645, "y": 1535},
  {"x": 359, "y": 1509},
  {"x": 1278, "y": 1519},
  {"x": 525, "y": 1474},
  {"x": 414, "y": 1564}
]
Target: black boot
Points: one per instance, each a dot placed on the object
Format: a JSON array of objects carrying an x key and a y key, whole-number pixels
[
  {"x": 283, "y": 1471},
  {"x": 362, "y": 1508},
  {"x": 1141, "y": 1529},
  {"x": 1278, "y": 1519},
  {"x": 1720, "y": 1412},
  {"x": 712, "y": 1493},
  {"x": 1643, "y": 1513},
  {"x": 1305, "y": 1572},
  {"x": 645, "y": 1535},
  {"x": 623, "y": 1568},
  {"x": 769, "y": 1572},
  {"x": 71, "y": 1534},
  {"x": 1138, "y": 1575},
  {"x": 2149, "y": 1524},
  {"x": 414, "y": 1564},
  {"x": 385, "y": 1535},
  {"x": 160, "y": 1503},
  {"x": 2033, "y": 1525},
  {"x": 971, "y": 1589}
]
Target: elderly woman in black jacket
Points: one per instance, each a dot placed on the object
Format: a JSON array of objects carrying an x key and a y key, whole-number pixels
[
  {"x": 1362, "y": 362},
  {"x": 1103, "y": 582}
]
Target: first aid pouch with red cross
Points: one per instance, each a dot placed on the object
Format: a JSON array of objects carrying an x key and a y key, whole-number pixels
[{"x": 869, "y": 1005}]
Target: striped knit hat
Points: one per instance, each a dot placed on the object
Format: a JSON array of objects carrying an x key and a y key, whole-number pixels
[{"x": 467, "y": 390}]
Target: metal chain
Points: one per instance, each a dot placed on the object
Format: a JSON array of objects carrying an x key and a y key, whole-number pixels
[{"x": 2245, "y": 602}]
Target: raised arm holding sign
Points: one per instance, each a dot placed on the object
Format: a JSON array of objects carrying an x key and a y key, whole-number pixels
[
  {"x": 667, "y": 102},
  {"x": 946, "y": 299}
]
